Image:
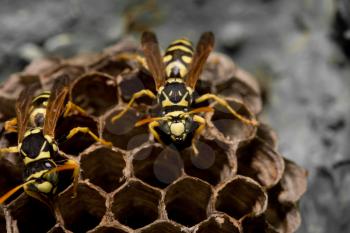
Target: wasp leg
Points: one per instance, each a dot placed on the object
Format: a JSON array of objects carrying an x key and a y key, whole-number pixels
[
  {"x": 11, "y": 125},
  {"x": 12, "y": 149},
  {"x": 226, "y": 105},
  {"x": 86, "y": 130},
  {"x": 134, "y": 97},
  {"x": 76, "y": 171},
  {"x": 155, "y": 134},
  {"x": 70, "y": 107},
  {"x": 198, "y": 132}
]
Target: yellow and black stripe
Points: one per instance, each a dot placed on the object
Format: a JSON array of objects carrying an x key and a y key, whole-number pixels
[
  {"x": 38, "y": 109},
  {"x": 177, "y": 58}
]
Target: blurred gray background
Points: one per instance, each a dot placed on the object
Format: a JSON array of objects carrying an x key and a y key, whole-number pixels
[{"x": 299, "y": 51}]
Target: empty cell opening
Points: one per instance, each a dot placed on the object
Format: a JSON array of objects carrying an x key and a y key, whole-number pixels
[
  {"x": 84, "y": 212},
  {"x": 123, "y": 133},
  {"x": 95, "y": 93},
  {"x": 10, "y": 177},
  {"x": 241, "y": 197},
  {"x": 78, "y": 142},
  {"x": 229, "y": 125},
  {"x": 104, "y": 167},
  {"x": 161, "y": 227},
  {"x": 32, "y": 215},
  {"x": 214, "y": 162},
  {"x": 135, "y": 82},
  {"x": 253, "y": 225},
  {"x": 187, "y": 201},
  {"x": 111, "y": 67},
  {"x": 136, "y": 205},
  {"x": 2, "y": 221},
  {"x": 108, "y": 230},
  {"x": 254, "y": 158},
  {"x": 157, "y": 166},
  {"x": 220, "y": 224}
]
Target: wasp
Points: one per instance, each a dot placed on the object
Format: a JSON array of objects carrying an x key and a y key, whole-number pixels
[
  {"x": 35, "y": 124},
  {"x": 175, "y": 75}
]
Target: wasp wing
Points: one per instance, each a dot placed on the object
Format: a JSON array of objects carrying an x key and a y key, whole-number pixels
[
  {"x": 23, "y": 105},
  {"x": 204, "y": 47},
  {"x": 153, "y": 57},
  {"x": 55, "y": 104}
]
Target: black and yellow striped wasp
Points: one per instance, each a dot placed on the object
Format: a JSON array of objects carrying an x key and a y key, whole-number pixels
[
  {"x": 35, "y": 124},
  {"x": 175, "y": 75}
]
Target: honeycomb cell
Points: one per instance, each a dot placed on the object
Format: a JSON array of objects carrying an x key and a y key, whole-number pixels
[
  {"x": 78, "y": 142},
  {"x": 106, "y": 229},
  {"x": 111, "y": 66},
  {"x": 157, "y": 166},
  {"x": 257, "y": 225},
  {"x": 241, "y": 197},
  {"x": 122, "y": 133},
  {"x": 229, "y": 125},
  {"x": 255, "y": 157},
  {"x": 187, "y": 200},
  {"x": 293, "y": 183},
  {"x": 134, "y": 82},
  {"x": 243, "y": 86},
  {"x": 219, "y": 223},
  {"x": 95, "y": 93},
  {"x": 104, "y": 168},
  {"x": 2, "y": 221},
  {"x": 83, "y": 212},
  {"x": 31, "y": 215},
  {"x": 284, "y": 218},
  {"x": 266, "y": 134},
  {"x": 57, "y": 229},
  {"x": 72, "y": 71},
  {"x": 10, "y": 176},
  {"x": 214, "y": 163},
  {"x": 136, "y": 205},
  {"x": 161, "y": 227}
]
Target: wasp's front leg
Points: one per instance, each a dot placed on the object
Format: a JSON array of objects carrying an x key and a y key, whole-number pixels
[
  {"x": 10, "y": 126},
  {"x": 86, "y": 130}
]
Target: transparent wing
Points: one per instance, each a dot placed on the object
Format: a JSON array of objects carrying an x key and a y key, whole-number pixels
[
  {"x": 56, "y": 104},
  {"x": 153, "y": 57},
  {"x": 204, "y": 47}
]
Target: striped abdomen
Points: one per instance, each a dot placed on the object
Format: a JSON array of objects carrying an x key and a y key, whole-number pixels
[{"x": 177, "y": 58}]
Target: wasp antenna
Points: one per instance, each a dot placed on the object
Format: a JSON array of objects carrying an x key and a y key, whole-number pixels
[{"x": 4, "y": 197}]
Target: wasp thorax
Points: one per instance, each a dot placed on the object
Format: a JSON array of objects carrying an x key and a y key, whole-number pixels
[{"x": 36, "y": 146}]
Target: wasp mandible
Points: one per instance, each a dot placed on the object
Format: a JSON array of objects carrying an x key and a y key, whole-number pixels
[
  {"x": 35, "y": 124},
  {"x": 175, "y": 75}
]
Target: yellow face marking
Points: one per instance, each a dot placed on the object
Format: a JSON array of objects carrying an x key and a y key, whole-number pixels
[
  {"x": 179, "y": 47},
  {"x": 182, "y": 40},
  {"x": 44, "y": 187},
  {"x": 186, "y": 59},
  {"x": 167, "y": 58},
  {"x": 182, "y": 68},
  {"x": 177, "y": 129}
]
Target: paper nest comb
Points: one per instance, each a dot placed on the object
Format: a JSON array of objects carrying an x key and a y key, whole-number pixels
[{"x": 237, "y": 183}]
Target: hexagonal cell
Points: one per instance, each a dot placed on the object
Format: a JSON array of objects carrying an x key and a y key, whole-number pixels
[
  {"x": 229, "y": 125},
  {"x": 293, "y": 183},
  {"x": 106, "y": 229},
  {"x": 257, "y": 225},
  {"x": 136, "y": 205},
  {"x": 103, "y": 167},
  {"x": 187, "y": 201},
  {"x": 260, "y": 162},
  {"x": 95, "y": 93},
  {"x": 122, "y": 133},
  {"x": 241, "y": 197},
  {"x": 243, "y": 86},
  {"x": 157, "y": 166},
  {"x": 214, "y": 163},
  {"x": 57, "y": 229},
  {"x": 78, "y": 142},
  {"x": 31, "y": 215},
  {"x": 284, "y": 218},
  {"x": 267, "y": 134},
  {"x": 162, "y": 226},
  {"x": 219, "y": 223},
  {"x": 71, "y": 71},
  {"x": 83, "y": 212},
  {"x": 134, "y": 82},
  {"x": 10, "y": 177}
]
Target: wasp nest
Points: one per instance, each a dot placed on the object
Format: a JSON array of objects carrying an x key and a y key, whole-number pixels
[{"x": 237, "y": 183}]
